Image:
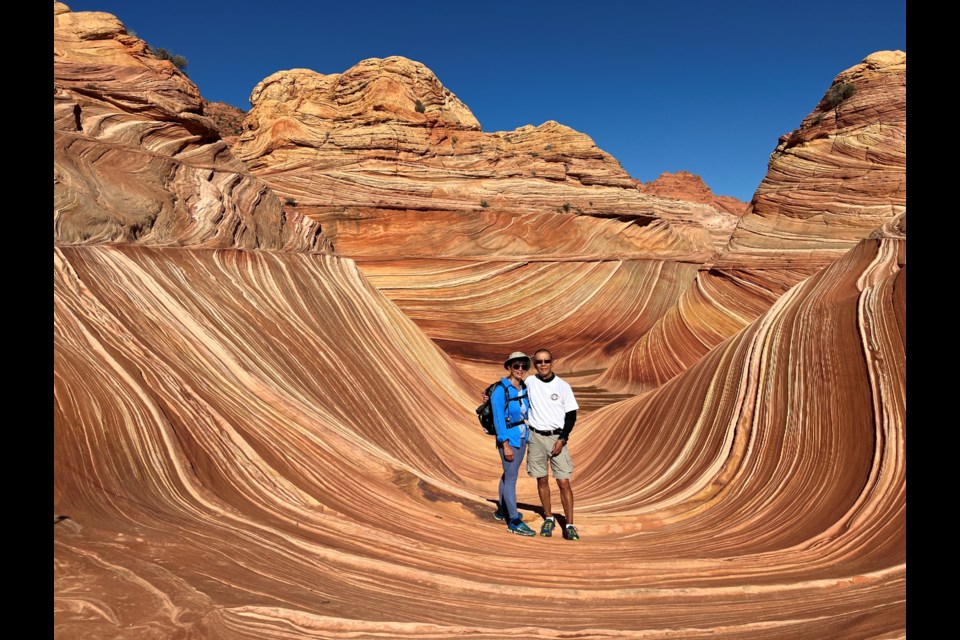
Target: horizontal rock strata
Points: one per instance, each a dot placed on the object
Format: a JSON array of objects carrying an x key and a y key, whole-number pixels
[{"x": 385, "y": 136}]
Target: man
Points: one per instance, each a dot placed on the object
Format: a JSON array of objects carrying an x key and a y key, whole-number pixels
[{"x": 553, "y": 412}]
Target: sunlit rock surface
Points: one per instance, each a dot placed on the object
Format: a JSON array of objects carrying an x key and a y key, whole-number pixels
[
  {"x": 257, "y": 439},
  {"x": 385, "y": 146},
  {"x": 136, "y": 161},
  {"x": 690, "y": 187},
  {"x": 836, "y": 178},
  {"x": 308, "y": 466},
  {"x": 831, "y": 183}
]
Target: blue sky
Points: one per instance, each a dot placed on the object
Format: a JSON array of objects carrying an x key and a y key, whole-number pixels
[{"x": 698, "y": 86}]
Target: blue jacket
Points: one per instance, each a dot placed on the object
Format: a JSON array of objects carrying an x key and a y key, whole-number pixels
[{"x": 516, "y": 411}]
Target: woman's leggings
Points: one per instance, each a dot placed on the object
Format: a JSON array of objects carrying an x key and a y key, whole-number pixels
[{"x": 508, "y": 481}]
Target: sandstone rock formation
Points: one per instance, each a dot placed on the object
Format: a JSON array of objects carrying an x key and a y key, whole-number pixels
[
  {"x": 227, "y": 119},
  {"x": 134, "y": 159},
  {"x": 689, "y": 187},
  {"x": 385, "y": 146},
  {"x": 257, "y": 438},
  {"x": 831, "y": 183},
  {"x": 836, "y": 178},
  {"x": 397, "y": 187}
]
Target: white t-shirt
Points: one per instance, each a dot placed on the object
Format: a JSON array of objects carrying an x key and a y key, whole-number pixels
[{"x": 549, "y": 402}]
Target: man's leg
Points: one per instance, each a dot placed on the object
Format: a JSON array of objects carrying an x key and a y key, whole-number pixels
[
  {"x": 538, "y": 454},
  {"x": 543, "y": 488},
  {"x": 562, "y": 467},
  {"x": 566, "y": 498}
]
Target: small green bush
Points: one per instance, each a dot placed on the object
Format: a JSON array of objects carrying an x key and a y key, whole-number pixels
[
  {"x": 290, "y": 202},
  {"x": 839, "y": 92},
  {"x": 178, "y": 61},
  {"x": 484, "y": 204},
  {"x": 566, "y": 207},
  {"x": 420, "y": 107}
]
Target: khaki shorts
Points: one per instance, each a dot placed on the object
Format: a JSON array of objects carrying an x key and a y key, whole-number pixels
[{"x": 538, "y": 453}]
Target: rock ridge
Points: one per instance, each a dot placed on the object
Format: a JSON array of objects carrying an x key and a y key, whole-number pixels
[
  {"x": 385, "y": 136},
  {"x": 135, "y": 159}
]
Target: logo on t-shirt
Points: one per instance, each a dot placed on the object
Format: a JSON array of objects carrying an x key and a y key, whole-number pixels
[{"x": 554, "y": 397}]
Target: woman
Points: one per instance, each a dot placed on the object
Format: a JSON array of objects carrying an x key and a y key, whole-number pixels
[{"x": 510, "y": 406}]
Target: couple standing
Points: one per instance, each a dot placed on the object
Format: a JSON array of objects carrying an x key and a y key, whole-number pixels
[{"x": 534, "y": 417}]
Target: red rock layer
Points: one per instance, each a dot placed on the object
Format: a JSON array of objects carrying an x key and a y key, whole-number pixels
[
  {"x": 226, "y": 118},
  {"x": 134, "y": 161},
  {"x": 689, "y": 187}
]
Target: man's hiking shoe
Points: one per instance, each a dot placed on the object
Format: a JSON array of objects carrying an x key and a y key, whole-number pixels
[
  {"x": 519, "y": 527},
  {"x": 570, "y": 533},
  {"x": 547, "y": 529}
]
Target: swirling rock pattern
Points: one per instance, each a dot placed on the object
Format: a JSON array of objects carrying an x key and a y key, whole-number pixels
[
  {"x": 257, "y": 439},
  {"x": 136, "y": 161},
  {"x": 230, "y": 466},
  {"x": 476, "y": 311}
]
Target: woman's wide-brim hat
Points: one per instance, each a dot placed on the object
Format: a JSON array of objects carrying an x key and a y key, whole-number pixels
[{"x": 516, "y": 355}]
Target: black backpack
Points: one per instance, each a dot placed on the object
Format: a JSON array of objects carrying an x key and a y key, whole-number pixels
[{"x": 485, "y": 411}]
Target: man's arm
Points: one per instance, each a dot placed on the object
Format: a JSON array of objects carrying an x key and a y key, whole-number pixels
[{"x": 569, "y": 419}]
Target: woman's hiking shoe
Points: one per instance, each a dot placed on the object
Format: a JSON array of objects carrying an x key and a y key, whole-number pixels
[
  {"x": 546, "y": 529},
  {"x": 570, "y": 533},
  {"x": 519, "y": 527},
  {"x": 500, "y": 515}
]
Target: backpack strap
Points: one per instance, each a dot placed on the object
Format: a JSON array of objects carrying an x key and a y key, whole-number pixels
[{"x": 520, "y": 396}]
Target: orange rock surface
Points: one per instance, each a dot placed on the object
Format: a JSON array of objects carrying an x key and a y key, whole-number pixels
[
  {"x": 134, "y": 159},
  {"x": 255, "y": 437},
  {"x": 684, "y": 185},
  {"x": 385, "y": 140},
  {"x": 836, "y": 178}
]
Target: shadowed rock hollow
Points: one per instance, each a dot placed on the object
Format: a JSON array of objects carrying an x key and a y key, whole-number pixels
[{"x": 258, "y": 437}]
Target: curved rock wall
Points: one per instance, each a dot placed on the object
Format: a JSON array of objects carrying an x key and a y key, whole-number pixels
[
  {"x": 135, "y": 160},
  {"x": 254, "y": 438},
  {"x": 277, "y": 450},
  {"x": 839, "y": 176}
]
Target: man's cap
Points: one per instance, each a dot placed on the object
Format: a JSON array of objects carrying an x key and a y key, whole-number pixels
[{"x": 516, "y": 355}]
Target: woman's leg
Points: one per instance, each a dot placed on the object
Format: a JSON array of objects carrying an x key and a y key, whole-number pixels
[{"x": 508, "y": 481}]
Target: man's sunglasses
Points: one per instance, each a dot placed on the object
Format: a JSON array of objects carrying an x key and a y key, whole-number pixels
[
  {"x": 521, "y": 365},
  {"x": 543, "y": 361}
]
